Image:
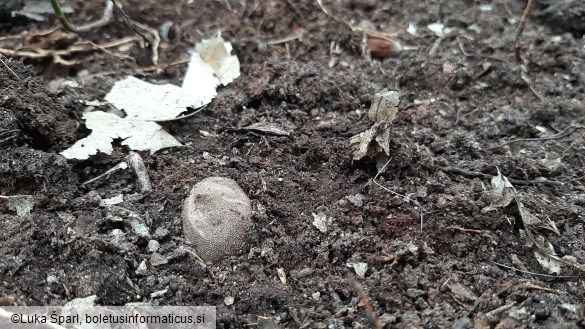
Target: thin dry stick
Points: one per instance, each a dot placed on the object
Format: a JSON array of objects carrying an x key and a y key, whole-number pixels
[
  {"x": 565, "y": 133},
  {"x": 143, "y": 71},
  {"x": 524, "y": 76},
  {"x": 498, "y": 310},
  {"x": 121, "y": 165},
  {"x": 105, "y": 19},
  {"x": 364, "y": 299},
  {"x": 164, "y": 66},
  {"x": 523, "y": 20},
  {"x": 154, "y": 43},
  {"x": 135, "y": 161},
  {"x": 518, "y": 49},
  {"x": 565, "y": 151},
  {"x": 9, "y": 69},
  {"x": 283, "y": 40},
  {"x": 542, "y": 275},
  {"x": 535, "y": 287},
  {"x": 75, "y": 48},
  {"x": 17, "y": 196},
  {"x": 470, "y": 173},
  {"x": 398, "y": 194},
  {"x": 461, "y": 229},
  {"x": 155, "y": 37}
]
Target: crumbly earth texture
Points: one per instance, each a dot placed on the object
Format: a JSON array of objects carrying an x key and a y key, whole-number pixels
[{"x": 434, "y": 259}]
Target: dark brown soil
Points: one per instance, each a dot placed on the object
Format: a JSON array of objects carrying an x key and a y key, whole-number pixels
[{"x": 460, "y": 98}]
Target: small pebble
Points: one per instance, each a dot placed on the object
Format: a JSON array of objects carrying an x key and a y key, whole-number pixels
[
  {"x": 157, "y": 259},
  {"x": 142, "y": 269},
  {"x": 158, "y": 294},
  {"x": 153, "y": 245},
  {"x": 356, "y": 200},
  {"x": 52, "y": 279},
  {"x": 160, "y": 233}
]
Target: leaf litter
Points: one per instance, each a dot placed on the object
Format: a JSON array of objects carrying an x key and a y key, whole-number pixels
[
  {"x": 502, "y": 195},
  {"x": 145, "y": 103}
]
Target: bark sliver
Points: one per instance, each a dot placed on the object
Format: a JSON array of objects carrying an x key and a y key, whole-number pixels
[{"x": 216, "y": 217}]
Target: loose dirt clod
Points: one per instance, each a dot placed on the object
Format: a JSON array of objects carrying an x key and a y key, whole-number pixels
[{"x": 216, "y": 217}]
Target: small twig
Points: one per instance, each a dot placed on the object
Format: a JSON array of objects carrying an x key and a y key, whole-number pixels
[
  {"x": 9, "y": 69},
  {"x": 17, "y": 196},
  {"x": 121, "y": 165},
  {"x": 461, "y": 47},
  {"x": 144, "y": 71},
  {"x": 164, "y": 66},
  {"x": 182, "y": 116},
  {"x": 562, "y": 277},
  {"x": 113, "y": 54},
  {"x": 468, "y": 230},
  {"x": 75, "y": 48},
  {"x": 436, "y": 45},
  {"x": 565, "y": 151},
  {"x": 567, "y": 132},
  {"x": 364, "y": 299},
  {"x": 137, "y": 164},
  {"x": 8, "y": 138},
  {"x": 523, "y": 20},
  {"x": 498, "y": 310},
  {"x": 535, "y": 287},
  {"x": 153, "y": 42},
  {"x": 524, "y": 76},
  {"x": 518, "y": 49},
  {"x": 283, "y": 40},
  {"x": 386, "y": 257},
  {"x": 105, "y": 19},
  {"x": 470, "y": 173},
  {"x": 228, "y": 5},
  {"x": 398, "y": 194}
]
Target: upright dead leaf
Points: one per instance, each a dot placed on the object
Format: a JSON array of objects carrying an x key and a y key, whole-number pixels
[
  {"x": 531, "y": 221},
  {"x": 503, "y": 193},
  {"x": 372, "y": 141},
  {"x": 384, "y": 106},
  {"x": 376, "y": 140},
  {"x": 546, "y": 257}
]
